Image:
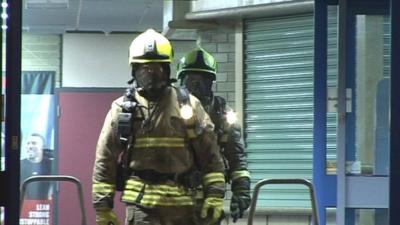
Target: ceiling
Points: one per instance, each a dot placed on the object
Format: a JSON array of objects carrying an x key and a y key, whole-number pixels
[{"x": 59, "y": 16}]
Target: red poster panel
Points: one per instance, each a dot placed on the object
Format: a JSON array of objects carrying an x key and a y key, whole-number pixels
[
  {"x": 36, "y": 212},
  {"x": 82, "y": 113}
]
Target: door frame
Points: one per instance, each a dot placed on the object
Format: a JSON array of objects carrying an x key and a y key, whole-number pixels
[
  {"x": 332, "y": 189},
  {"x": 10, "y": 177},
  {"x": 394, "y": 169}
]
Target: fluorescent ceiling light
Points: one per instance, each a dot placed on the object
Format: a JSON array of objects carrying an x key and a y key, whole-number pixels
[{"x": 47, "y": 4}]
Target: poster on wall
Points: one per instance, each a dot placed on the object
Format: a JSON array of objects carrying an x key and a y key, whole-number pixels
[
  {"x": 38, "y": 116},
  {"x": 36, "y": 212}
]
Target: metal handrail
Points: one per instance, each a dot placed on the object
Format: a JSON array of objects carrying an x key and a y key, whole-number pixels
[
  {"x": 48, "y": 178},
  {"x": 261, "y": 183}
]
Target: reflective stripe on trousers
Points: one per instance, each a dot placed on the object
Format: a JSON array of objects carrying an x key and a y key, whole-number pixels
[{"x": 152, "y": 195}]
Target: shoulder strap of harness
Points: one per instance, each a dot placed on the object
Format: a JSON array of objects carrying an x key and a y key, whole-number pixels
[
  {"x": 183, "y": 96},
  {"x": 219, "y": 105},
  {"x": 193, "y": 178},
  {"x": 218, "y": 111},
  {"x": 125, "y": 117},
  {"x": 124, "y": 131}
]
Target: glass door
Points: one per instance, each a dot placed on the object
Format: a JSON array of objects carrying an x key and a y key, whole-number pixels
[
  {"x": 363, "y": 113},
  {"x": 354, "y": 47}
]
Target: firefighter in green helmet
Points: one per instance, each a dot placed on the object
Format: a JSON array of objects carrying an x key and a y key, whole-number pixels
[
  {"x": 197, "y": 72},
  {"x": 162, "y": 135}
]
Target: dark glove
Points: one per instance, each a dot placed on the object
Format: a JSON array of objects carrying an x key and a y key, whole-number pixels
[{"x": 240, "y": 200}]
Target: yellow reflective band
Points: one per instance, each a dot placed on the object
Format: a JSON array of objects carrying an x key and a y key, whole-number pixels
[
  {"x": 150, "y": 60},
  {"x": 156, "y": 194},
  {"x": 166, "y": 201},
  {"x": 214, "y": 200},
  {"x": 133, "y": 184},
  {"x": 171, "y": 192},
  {"x": 163, "y": 139},
  {"x": 148, "y": 142},
  {"x": 156, "y": 189},
  {"x": 130, "y": 196},
  {"x": 213, "y": 178},
  {"x": 149, "y": 200},
  {"x": 103, "y": 188},
  {"x": 239, "y": 174}
]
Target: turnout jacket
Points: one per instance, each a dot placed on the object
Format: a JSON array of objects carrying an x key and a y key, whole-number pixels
[
  {"x": 163, "y": 143},
  {"x": 229, "y": 139}
]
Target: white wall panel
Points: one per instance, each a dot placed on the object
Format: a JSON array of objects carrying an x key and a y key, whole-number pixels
[{"x": 97, "y": 60}]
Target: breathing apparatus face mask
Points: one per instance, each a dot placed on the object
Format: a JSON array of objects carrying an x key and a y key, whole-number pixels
[
  {"x": 151, "y": 79},
  {"x": 199, "y": 85}
]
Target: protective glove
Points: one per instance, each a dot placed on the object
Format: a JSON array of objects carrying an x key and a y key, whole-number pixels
[
  {"x": 240, "y": 200},
  {"x": 215, "y": 205},
  {"x": 106, "y": 217}
]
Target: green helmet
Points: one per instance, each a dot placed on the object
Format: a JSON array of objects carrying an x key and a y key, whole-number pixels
[{"x": 198, "y": 60}]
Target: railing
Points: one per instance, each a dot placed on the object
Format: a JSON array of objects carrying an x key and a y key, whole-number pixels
[
  {"x": 264, "y": 182},
  {"x": 50, "y": 178}
]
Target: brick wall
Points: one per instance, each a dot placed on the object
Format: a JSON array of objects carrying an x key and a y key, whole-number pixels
[{"x": 221, "y": 44}]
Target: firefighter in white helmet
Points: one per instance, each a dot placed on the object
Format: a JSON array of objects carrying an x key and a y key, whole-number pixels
[{"x": 159, "y": 135}]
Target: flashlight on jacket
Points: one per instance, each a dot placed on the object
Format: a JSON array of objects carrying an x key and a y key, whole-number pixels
[
  {"x": 186, "y": 111},
  {"x": 231, "y": 117}
]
